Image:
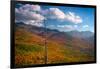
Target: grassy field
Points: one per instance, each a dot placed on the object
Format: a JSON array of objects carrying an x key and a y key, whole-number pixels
[{"x": 30, "y": 50}]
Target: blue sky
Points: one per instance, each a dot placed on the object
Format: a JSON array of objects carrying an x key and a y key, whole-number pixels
[{"x": 62, "y": 18}]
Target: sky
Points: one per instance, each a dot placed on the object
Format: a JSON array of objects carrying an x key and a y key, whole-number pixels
[{"x": 62, "y": 18}]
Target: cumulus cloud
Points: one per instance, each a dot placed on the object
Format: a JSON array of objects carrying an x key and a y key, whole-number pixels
[
  {"x": 66, "y": 27},
  {"x": 31, "y": 22},
  {"x": 70, "y": 16},
  {"x": 34, "y": 15},
  {"x": 85, "y": 26},
  {"x": 30, "y": 7},
  {"x": 76, "y": 26},
  {"x": 28, "y": 14},
  {"x": 56, "y": 13}
]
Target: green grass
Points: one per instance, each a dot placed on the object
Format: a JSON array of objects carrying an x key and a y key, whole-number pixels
[
  {"x": 23, "y": 37},
  {"x": 75, "y": 55},
  {"x": 28, "y": 52},
  {"x": 25, "y": 48}
]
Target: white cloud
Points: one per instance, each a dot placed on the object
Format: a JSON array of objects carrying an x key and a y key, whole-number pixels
[
  {"x": 35, "y": 23},
  {"x": 66, "y": 27},
  {"x": 76, "y": 26},
  {"x": 44, "y": 12},
  {"x": 30, "y": 7},
  {"x": 27, "y": 14},
  {"x": 86, "y": 26},
  {"x": 56, "y": 13},
  {"x": 34, "y": 15},
  {"x": 70, "y": 16}
]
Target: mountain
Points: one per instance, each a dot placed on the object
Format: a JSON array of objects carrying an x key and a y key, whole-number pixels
[
  {"x": 62, "y": 47},
  {"x": 55, "y": 34},
  {"x": 82, "y": 34}
]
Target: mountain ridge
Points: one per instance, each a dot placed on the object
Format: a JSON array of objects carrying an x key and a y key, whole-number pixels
[
  {"x": 62, "y": 47},
  {"x": 47, "y": 30}
]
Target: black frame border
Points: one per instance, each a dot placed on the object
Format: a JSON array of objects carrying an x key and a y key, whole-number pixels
[{"x": 12, "y": 24}]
